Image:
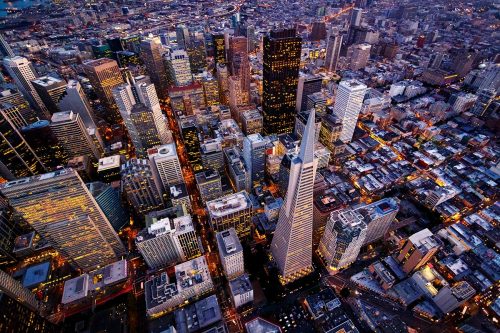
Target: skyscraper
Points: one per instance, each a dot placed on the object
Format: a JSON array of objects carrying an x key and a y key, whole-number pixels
[
  {"x": 5, "y": 49},
  {"x": 182, "y": 35},
  {"x": 418, "y": 250},
  {"x": 231, "y": 211},
  {"x": 348, "y": 104},
  {"x": 344, "y": 235},
  {"x": 60, "y": 208},
  {"x": 359, "y": 55},
  {"x": 23, "y": 72},
  {"x": 16, "y": 108},
  {"x": 73, "y": 136},
  {"x": 51, "y": 90},
  {"x": 191, "y": 140},
  {"x": 333, "y": 52},
  {"x": 142, "y": 119},
  {"x": 166, "y": 165},
  {"x": 18, "y": 159},
  {"x": 104, "y": 75},
  {"x": 151, "y": 53},
  {"x": 74, "y": 99},
  {"x": 219, "y": 49},
  {"x": 46, "y": 146},
  {"x": 378, "y": 217},
  {"x": 254, "y": 153},
  {"x": 179, "y": 68},
  {"x": 230, "y": 253},
  {"x": 292, "y": 241},
  {"x": 140, "y": 187},
  {"x": 308, "y": 84},
  {"x": 282, "y": 50},
  {"x": 9, "y": 230},
  {"x": 108, "y": 197}
]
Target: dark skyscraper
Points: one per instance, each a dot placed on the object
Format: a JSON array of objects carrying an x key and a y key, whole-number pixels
[
  {"x": 45, "y": 144},
  {"x": 17, "y": 156},
  {"x": 281, "y": 74},
  {"x": 192, "y": 143},
  {"x": 219, "y": 48}
]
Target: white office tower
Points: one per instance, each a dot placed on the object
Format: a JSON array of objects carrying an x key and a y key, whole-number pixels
[
  {"x": 378, "y": 218},
  {"x": 60, "y": 208},
  {"x": 75, "y": 100},
  {"x": 333, "y": 51},
  {"x": 178, "y": 68},
  {"x": 23, "y": 72},
  {"x": 147, "y": 96},
  {"x": 168, "y": 241},
  {"x": 166, "y": 165},
  {"x": 344, "y": 235},
  {"x": 231, "y": 253},
  {"x": 125, "y": 101},
  {"x": 348, "y": 104},
  {"x": 73, "y": 136},
  {"x": 292, "y": 240}
]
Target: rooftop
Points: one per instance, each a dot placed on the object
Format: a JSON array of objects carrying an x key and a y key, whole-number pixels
[
  {"x": 240, "y": 285},
  {"x": 63, "y": 116},
  {"x": 163, "y": 151},
  {"x": 36, "y": 274},
  {"x": 109, "y": 162},
  {"x": 228, "y": 242},
  {"x": 48, "y": 81},
  {"x": 424, "y": 240},
  {"x": 229, "y": 204},
  {"x": 260, "y": 325}
]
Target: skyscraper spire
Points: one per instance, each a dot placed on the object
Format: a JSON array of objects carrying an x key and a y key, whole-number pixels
[{"x": 292, "y": 242}]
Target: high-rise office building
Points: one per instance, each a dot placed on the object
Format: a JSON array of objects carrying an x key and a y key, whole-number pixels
[
  {"x": 74, "y": 99},
  {"x": 147, "y": 95},
  {"x": 23, "y": 72},
  {"x": 231, "y": 211},
  {"x": 60, "y": 208},
  {"x": 219, "y": 49},
  {"x": 51, "y": 90},
  {"x": 104, "y": 75},
  {"x": 254, "y": 153},
  {"x": 348, "y": 104},
  {"x": 73, "y": 136},
  {"x": 230, "y": 253},
  {"x": 168, "y": 241},
  {"x": 9, "y": 230},
  {"x": 212, "y": 156},
  {"x": 211, "y": 91},
  {"x": 44, "y": 142},
  {"x": 485, "y": 97},
  {"x": 308, "y": 84},
  {"x": 18, "y": 159},
  {"x": 282, "y": 51},
  {"x": 189, "y": 132},
  {"x": 183, "y": 37},
  {"x": 151, "y": 54},
  {"x": 252, "y": 122},
  {"x": 359, "y": 55},
  {"x": 418, "y": 250},
  {"x": 223, "y": 80},
  {"x": 318, "y": 31},
  {"x": 333, "y": 51},
  {"x": 5, "y": 49},
  {"x": 140, "y": 187},
  {"x": 16, "y": 108},
  {"x": 166, "y": 165},
  {"x": 344, "y": 235},
  {"x": 142, "y": 119},
  {"x": 239, "y": 175},
  {"x": 378, "y": 217},
  {"x": 355, "y": 22},
  {"x": 292, "y": 241},
  {"x": 179, "y": 68},
  {"x": 108, "y": 197},
  {"x": 209, "y": 184}
]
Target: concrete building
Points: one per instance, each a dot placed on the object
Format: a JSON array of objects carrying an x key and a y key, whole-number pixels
[
  {"x": 344, "y": 235},
  {"x": 333, "y": 52},
  {"x": 231, "y": 211},
  {"x": 378, "y": 217},
  {"x": 418, "y": 250},
  {"x": 209, "y": 184},
  {"x": 241, "y": 291},
  {"x": 51, "y": 90},
  {"x": 168, "y": 241},
  {"x": 359, "y": 54},
  {"x": 74, "y": 99},
  {"x": 166, "y": 165},
  {"x": 238, "y": 173},
  {"x": 74, "y": 136},
  {"x": 230, "y": 253},
  {"x": 192, "y": 282},
  {"x": 348, "y": 104},
  {"x": 252, "y": 122},
  {"x": 212, "y": 156},
  {"x": 308, "y": 85},
  {"x": 178, "y": 68}
]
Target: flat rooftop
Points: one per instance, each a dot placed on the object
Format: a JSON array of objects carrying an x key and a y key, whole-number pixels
[
  {"x": 63, "y": 116},
  {"x": 48, "y": 81},
  {"x": 36, "y": 274},
  {"x": 240, "y": 285},
  {"x": 229, "y": 204},
  {"x": 191, "y": 272},
  {"x": 166, "y": 150},
  {"x": 228, "y": 242},
  {"x": 260, "y": 325},
  {"x": 109, "y": 162}
]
